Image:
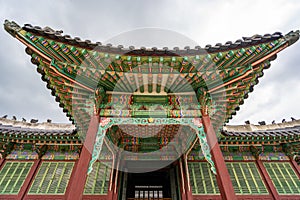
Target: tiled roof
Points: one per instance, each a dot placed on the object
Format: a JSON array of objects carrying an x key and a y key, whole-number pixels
[
  {"x": 8, "y": 126},
  {"x": 12, "y": 127},
  {"x": 291, "y": 128},
  {"x": 154, "y": 51},
  {"x": 75, "y": 69}
]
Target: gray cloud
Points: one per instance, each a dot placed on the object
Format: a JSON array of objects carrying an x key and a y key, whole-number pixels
[{"x": 277, "y": 96}]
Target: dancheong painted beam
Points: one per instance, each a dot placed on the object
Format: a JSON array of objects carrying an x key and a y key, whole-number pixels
[
  {"x": 149, "y": 87},
  {"x": 218, "y": 76}
]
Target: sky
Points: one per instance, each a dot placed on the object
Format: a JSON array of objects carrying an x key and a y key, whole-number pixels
[{"x": 277, "y": 96}]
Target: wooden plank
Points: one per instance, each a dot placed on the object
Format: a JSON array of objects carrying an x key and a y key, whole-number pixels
[
  {"x": 223, "y": 177},
  {"x": 267, "y": 179},
  {"x": 295, "y": 167},
  {"x": 29, "y": 179},
  {"x": 76, "y": 188}
]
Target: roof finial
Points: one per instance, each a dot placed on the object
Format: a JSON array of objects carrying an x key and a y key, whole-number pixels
[{"x": 34, "y": 121}]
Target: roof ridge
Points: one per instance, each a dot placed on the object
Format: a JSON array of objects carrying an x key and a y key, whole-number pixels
[
  {"x": 289, "y": 125},
  {"x": 50, "y": 33},
  {"x": 4, "y": 123}
]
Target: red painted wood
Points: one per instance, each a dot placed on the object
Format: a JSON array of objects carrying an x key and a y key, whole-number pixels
[
  {"x": 240, "y": 197},
  {"x": 95, "y": 197},
  {"x": 71, "y": 180},
  {"x": 223, "y": 177},
  {"x": 44, "y": 197},
  {"x": 289, "y": 197},
  {"x": 8, "y": 197},
  {"x": 115, "y": 185},
  {"x": 76, "y": 187},
  {"x": 267, "y": 179},
  {"x": 296, "y": 167},
  {"x": 188, "y": 191},
  {"x": 207, "y": 197},
  {"x": 1, "y": 162},
  {"x": 182, "y": 181},
  {"x": 29, "y": 179}
]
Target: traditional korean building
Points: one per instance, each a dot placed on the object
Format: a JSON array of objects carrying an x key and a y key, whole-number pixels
[{"x": 158, "y": 112}]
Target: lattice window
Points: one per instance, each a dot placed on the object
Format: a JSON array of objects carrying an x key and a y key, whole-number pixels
[
  {"x": 245, "y": 178},
  {"x": 52, "y": 178},
  {"x": 13, "y": 175},
  {"x": 283, "y": 177},
  {"x": 98, "y": 180},
  {"x": 202, "y": 180}
]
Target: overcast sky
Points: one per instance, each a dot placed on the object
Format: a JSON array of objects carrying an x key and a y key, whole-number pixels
[{"x": 277, "y": 96}]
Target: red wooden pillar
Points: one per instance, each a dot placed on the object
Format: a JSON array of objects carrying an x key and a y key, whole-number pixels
[
  {"x": 110, "y": 193},
  {"x": 189, "y": 194},
  {"x": 76, "y": 186},
  {"x": 1, "y": 162},
  {"x": 183, "y": 186},
  {"x": 26, "y": 185},
  {"x": 117, "y": 183},
  {"x": 295, "y": 166},
  {"x": 223, "y": 177},
  {"x": 268, "y": 179},
  {"x": 116, "y": 186}
]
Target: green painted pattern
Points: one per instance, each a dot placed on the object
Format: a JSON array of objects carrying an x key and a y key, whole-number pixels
[
  {"x": 52, "y": 178},
  {"x": 106, "y": 123},
  {"x": 98, "y": 180},
  {"x": 202, "y": 180},
  {"x": 283, "y": 177},
  {"x": 13, "y": 175},
  {"x": 246, "y": 178}
]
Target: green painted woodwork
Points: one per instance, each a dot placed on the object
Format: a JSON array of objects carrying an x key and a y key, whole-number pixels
[
  {"x": 13, "y": 175},
  {"x": 115, "y": 72},
  {"x": 195, "y": 124},
  {"x": 142, "y": 99},
  {"x": 202, "y": 180},
  {"x": 283, "y": 177},
  {"x": 98, "y": 180},
  {"x": 52, "y": 178},
  {"x": 245, "y": 178}
]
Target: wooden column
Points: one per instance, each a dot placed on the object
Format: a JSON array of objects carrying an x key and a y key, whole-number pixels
[
  {"x": 76, "y": 187},
  {"x": 110, "y": 190},
  {"x": 1, "y": 162},
  {"x": 223, "y": 177},
  {"x": 27, "y": 183},
  {"x": 268, "y": 179},
  {"x": 295, "y": 166},
  {"x": 189, "y": 194},
  {"x": 183, "y": 186},
  {"x": 116, "y": 184}
]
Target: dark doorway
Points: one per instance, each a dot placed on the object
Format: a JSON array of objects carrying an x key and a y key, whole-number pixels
[{"x": 151, "y": 185}]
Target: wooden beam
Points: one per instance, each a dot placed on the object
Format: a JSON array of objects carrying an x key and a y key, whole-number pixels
[
  {"x": 1, "y": 162},
  {"x": 29, "y": 179},
  {"x": 189, "y": 194},
  {"x": 295, "y": 166},
  {"x": 183, "y": 186},
  {"x": 76, "y": 187},
  {"x": 223, "y": 177},
  {"x": 267, "y": 179}
]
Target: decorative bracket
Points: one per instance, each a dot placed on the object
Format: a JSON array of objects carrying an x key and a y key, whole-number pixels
[{"x": 106, "y": 123}]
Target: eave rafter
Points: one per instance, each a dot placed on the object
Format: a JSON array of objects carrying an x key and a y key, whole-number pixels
[{"x": 74, "y": 69}]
